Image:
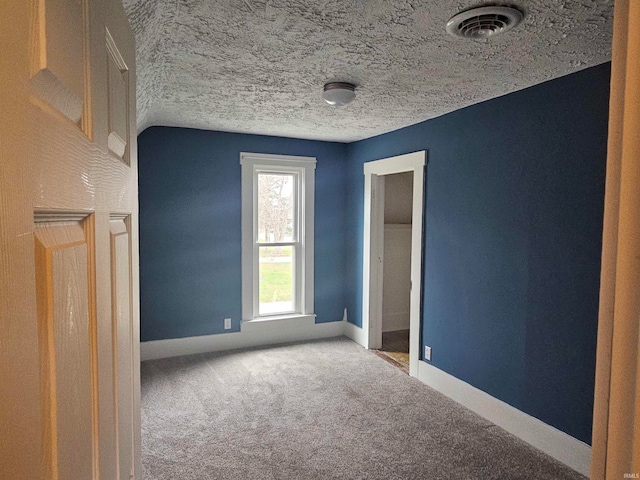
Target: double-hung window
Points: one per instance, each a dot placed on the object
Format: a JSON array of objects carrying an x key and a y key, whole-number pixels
[{"x": 277, "y": 236}]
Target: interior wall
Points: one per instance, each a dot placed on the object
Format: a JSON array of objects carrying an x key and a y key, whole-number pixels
[
  {"x": 396, "y": 278},
  {"x": 513, "y": 231},
  {"x": 396, "y": 281},
  {"x": 190, "y": 232},
  {"x": 398, "y": 197}
]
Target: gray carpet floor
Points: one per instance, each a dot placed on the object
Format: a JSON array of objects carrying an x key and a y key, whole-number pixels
[{"x": 320, "y": 410}]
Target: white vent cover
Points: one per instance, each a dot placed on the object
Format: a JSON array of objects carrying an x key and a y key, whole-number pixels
[{"x": 484, "y": 22}]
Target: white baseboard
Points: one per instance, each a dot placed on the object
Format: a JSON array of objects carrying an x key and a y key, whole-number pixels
[
  {"x": 555, "y": 443},
  {"x": 307, "y": 329},
  {"x": 355, "y": 333}
]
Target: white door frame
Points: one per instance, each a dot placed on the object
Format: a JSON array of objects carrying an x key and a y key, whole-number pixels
[{"x": 374, "y": 244}]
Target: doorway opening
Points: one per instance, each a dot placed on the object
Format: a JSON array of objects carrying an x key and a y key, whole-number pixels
[
  {"x": 393, "y": 242},
  {"x": 396, "y": 268}
]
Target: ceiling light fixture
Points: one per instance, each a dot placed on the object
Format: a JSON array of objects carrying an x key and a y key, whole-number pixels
[
  {"x": 484, "y": 22},
  {"x": 339, "y": 93}
]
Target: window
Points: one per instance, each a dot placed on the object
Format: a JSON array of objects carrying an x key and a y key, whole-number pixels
[{"x": 277, "y": 236}]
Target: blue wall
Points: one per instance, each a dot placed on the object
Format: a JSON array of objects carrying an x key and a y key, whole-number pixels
[
  {"x": 190, "y": 233},
  {"x": 513, "y": 219}
]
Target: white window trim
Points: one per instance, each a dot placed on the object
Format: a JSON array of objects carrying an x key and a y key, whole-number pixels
[{"x": 305, "y": 168}]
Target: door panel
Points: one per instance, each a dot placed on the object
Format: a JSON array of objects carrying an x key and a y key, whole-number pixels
[
  {"x": 122, "y": 332},
  {"x": 62, "y": 274},
  {"x": 58, "y": 55},
  {"x": 118, "y": 74},
  {"x": 69, "y": 323}
]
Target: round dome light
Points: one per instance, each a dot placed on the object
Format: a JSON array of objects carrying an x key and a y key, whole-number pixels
[{"x": 339, "y": 93}]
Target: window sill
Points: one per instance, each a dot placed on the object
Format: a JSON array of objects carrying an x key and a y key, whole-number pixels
[{"x": 279, "y": 321}]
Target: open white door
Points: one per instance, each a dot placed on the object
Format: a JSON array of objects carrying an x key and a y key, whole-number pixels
[
  {"x": 69, "y": 324},
  {"x": 374, "y": 243}
]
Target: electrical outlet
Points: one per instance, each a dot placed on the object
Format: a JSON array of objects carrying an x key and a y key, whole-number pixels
[
  {"x": 427, "y": 353},
  {"x": 227, "y": 323}
]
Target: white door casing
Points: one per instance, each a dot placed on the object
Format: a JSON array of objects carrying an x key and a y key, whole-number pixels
[
  {"x": 374, "y": 243},
  {"x": 69, "y": 325}
]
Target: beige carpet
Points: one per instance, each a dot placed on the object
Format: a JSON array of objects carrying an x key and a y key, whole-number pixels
[{"x": 321, "y": 410}]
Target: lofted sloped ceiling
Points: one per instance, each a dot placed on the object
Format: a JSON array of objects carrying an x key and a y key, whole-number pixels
[{"x": 258, "y": 66}]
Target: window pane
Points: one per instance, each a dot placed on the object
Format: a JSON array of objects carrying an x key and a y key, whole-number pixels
[
  {"x": 276, "y": 280},
  {"x": 275, "y": 207}
]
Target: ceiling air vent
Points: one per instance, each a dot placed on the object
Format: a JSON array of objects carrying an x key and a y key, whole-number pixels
[{"x": 484, "y": 22}]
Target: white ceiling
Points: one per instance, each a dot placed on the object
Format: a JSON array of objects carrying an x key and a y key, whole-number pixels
[{"x": 258, "y": 66}]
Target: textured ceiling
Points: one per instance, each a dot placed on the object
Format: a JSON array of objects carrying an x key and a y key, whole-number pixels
[{"x": 258, "y": 66}]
